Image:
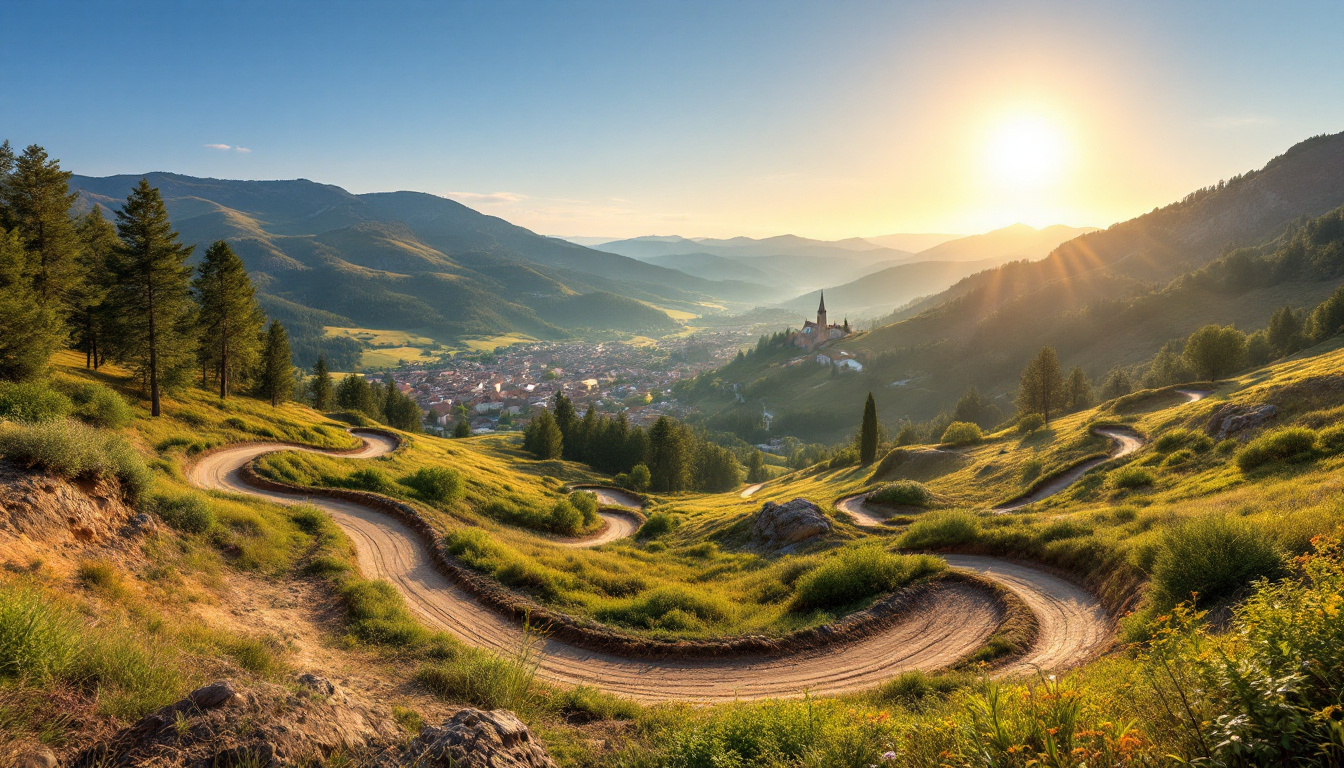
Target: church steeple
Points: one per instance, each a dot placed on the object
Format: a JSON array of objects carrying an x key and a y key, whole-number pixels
[
  {"x": 821, "y": 310},
  {"x": 823, "y": 330}
]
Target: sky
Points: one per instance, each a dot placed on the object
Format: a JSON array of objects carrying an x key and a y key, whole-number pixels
[{"x": 618, "y": 119}]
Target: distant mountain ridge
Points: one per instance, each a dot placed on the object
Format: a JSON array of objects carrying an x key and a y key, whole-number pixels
[{"x": 414, "y": 260}]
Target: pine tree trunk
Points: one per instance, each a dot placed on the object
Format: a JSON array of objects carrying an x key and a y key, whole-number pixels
[{"x": 154, "y": 408}]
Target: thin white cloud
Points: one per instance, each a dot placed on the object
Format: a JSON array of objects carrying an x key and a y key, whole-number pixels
[
  {"x": 486, "y": 197},
  {"x": 227, "y": 148}
]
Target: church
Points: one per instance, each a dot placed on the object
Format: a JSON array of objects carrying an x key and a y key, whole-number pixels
[{"x": 814, "y": 334}]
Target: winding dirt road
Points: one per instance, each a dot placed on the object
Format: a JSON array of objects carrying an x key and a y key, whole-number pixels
[
  {"x": 750, "y": 489},
  {"x": 1126, "y": 442},
  {"x": 938, "y": 630}
]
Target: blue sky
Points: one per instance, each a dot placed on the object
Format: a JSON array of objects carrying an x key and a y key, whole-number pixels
[{"x": 579, "y": 118}]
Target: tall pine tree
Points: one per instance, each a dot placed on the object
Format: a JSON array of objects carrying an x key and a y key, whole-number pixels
[
  {"x": 29, "y": 330},
  {"x": 276, "y": 380},
  {"x": 320, "y": 388},
  {"x": 88, "y": 297},
  {"x": 151, "y": 293},
  {"x": 868, "y": 433},
  {"x": 230, "y": 322},
  {"x": 37, "y": 202}
]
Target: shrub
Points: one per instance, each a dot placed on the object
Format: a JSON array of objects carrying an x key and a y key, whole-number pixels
[
  {"x": 1225, "y": 447},
  {"x": 941, "y": 530},
  {"x": 32, "y": 402},
  {"x": 962, "y": 433},
  {"x": 902, "y": 493},
  {"x": 371, "y": 479},
  {"x": 377, "y": 613},
  {"x": 438, "y": 485},
  {"x": 187, "y": 512},
  {"x": 1031, "y": 469},
  {"x": 1291, "y": 444},
  {"x": 1213, "y": 557},
  {"x": 1178, "y": 458},
  {"x": 659, "y": 524},
  {"x": 1131, "y": 477},
  {"x": 1029, "y": 423},
  {"x": 565, "y": 519},
  {"x": 857, "y": 574},
  {"x": 72, "y": 449},
  {"x": 586, "y": 503},
  {"x": 1062, "y": 529},
  {"x": 481, "y": 679},
  {"x": 1332, "y": 439},
  {"x": 640, "y": 478},
  {"x": 1172, "y": 440},
  {"x": 845, "y": 457},
  {"x": 672, "y": 608},
  {"x": 100, "y": 406}
]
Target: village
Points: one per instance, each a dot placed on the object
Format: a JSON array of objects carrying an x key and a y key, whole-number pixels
[{"x": 503, "y": 389}]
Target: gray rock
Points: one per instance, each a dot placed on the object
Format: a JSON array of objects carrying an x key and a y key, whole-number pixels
[
  {"x": 318, "y": 686},
  {"x": 213, "y": 696},
  {"x": 477, "y": 739},
  {"x": 40, "y": 757},
  {"x": 1232, "y": 419},
  {"x": 779, "y": 525}
]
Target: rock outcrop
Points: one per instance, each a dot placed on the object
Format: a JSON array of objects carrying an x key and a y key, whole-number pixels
[
  {"x": 1234, "y": 419},
  {"x": 474, "y": 738},
  {"x": 780, "y": 525},
  {"x": 267, "y": 725}
]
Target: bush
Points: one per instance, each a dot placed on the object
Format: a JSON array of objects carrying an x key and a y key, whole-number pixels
[
  {"x": 845, "y": 457},
  {"x": 962, "y": 433},
  {"x": 1332, "y": 439},
  {"x": 1131, "y": 477},
  {"x": 673, "y": 608},
  {"x": 1178, "y": 458},
  {"x": 640, "y": 478},
  {"x": 371, "y": 479},
  {"x": 586, "y": 503},
  {"x": 857, "y": 574},
  {"x": 481, "y": 679},
  {"x": 377, "y": 613},
  {"x": 1029, "y": 423},
  {"x": 659, "y": 524},
  {"x": 902, "y": 493},
  {"x": 943, "y": 529},
  {"x": 187, "y": 512},
  {"x": 1291, "y": 444},
  {"x": 100, "y": 406},
  {"x": 72, "y": 449},
  {"x": 1213, "y": 557},
  {"x": 1031, "y": 469},
  {"x": 438, "y": 485},
  {"x": 1172, "y": 440},
  {"x": 32, "y": 402},
  {"x": 565, "y": 519}
]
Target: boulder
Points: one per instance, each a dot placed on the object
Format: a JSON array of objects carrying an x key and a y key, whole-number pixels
[
  {"x": 213, "y": 695},
  {"x": 1234, "y": 419},
  {"x": 475, "y": 738},
  {"x": 37, "y": 757},
  {"x": 779, "y": 525}
]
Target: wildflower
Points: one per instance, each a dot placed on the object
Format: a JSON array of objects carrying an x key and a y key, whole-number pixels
[{"x": 888, "y": 756}]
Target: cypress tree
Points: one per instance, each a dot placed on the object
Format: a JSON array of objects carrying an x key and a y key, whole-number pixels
[
  {"x": 151, "y": 293},
  {"x": 29, "y": 329},
  {"x": 320, "y": 387},
  {"x": 868, "y": 433},
  {"x": 230, "y": 321},
  {"x": 37, "y": 202},
  {"x": 1042, "y": 385},
  {"x": 88, "y": 297},
  {"x": 276, "y": 380}
]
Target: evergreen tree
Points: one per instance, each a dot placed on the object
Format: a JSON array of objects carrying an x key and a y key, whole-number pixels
[
  {"x": 566, "y": 419},
  {"x": 37, "y": 200},
  {"x": 353, "y": 394},
  {"x": 756, "y": 472},
  {"x": 668, "y": 455},
  {"x": 1078, "y": 391},
  {"x": 716, "y": 469},
  {"x": 88, "y": 297},
  {"x": 1215, "y": 351},
  {"x": 401, "y": 410},
  {"x": 30, "y": 332},
  {"x": 1117, "y": 384},
  {"x": 276, "y": 379},
  {"x": 320, "y": 388},
  {"x": 543, "y": 438},
  {"x": 1042, "y": 385},
  {"x": 230, "y": 321},
  {"x": 151, "y": 294},
  {"x": 462, "y": 429},
  {"x": 1167, "y": 368},
  {"x": 1286, "y": 333},
  {"x": 868, "y": 433}
]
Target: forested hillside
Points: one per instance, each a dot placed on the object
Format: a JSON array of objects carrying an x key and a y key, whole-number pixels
[{"x": 411, "y": 260}]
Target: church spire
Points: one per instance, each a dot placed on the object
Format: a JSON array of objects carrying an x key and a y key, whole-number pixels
[{"x": 822, "y": 308}]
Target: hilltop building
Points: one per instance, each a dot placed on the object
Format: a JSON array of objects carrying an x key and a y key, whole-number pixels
[{"x": 814, "y": 334}]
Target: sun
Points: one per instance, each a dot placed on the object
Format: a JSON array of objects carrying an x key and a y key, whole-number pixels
[{"x": 1026, "y": 152}]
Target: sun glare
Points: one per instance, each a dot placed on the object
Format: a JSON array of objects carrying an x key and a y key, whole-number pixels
[{"x": 1025, "y": 152}]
